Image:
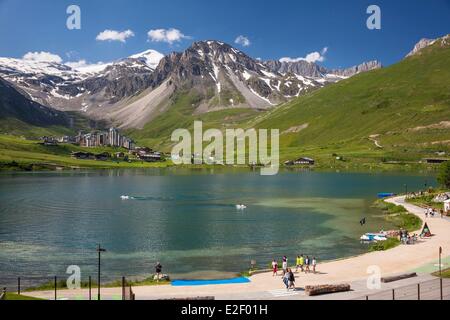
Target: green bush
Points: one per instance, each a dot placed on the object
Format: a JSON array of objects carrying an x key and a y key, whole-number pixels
[
  {"x": 444, "y": 174},
  {"x": 384, "y": 245}
]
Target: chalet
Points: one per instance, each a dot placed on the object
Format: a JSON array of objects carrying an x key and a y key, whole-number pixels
[
  {"x": 151, "y": 157},
  {"x": 49, "y": 141},
  {"x": 304, "y": 161},
  {"x": 102, "y": 156},
  {"x": 82, "y": 155},
  {"x": 435, "y": 160}
]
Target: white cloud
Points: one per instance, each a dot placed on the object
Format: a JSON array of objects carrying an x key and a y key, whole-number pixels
[
  {"x": 243, "y": 41},
  {"x": 113, "y": 35},
  {"x": 77, "y": 64},
  {"x": 85, "y": 67},
  {"x": 311, "y": 57},
  {"x": 42, "y": 56},
  {"x": 166, "y": 35}
]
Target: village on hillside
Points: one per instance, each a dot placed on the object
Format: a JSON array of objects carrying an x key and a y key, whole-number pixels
[{"x": 111, "y": 138}]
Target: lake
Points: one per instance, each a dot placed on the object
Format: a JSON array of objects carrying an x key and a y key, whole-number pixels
[{"x": 187, "y": 219}]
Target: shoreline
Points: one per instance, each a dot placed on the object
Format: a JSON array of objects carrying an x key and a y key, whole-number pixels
[
  {"x": 55, "y": 168},
  {"x": 354, "y": 270}
]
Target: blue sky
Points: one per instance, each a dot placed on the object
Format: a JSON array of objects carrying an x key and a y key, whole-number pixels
[{"x": 275, "y": 29}]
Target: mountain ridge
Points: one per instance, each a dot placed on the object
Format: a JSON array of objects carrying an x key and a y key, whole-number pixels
[{"x": 222, "y": 75}]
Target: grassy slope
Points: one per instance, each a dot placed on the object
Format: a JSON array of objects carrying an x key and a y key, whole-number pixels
[
  {"x": 341, "y": 117},
  {"x": 157, "y": 133},
  {"x": 17, "y": 127},
  {"x": 15, "y": 296},
  {"x": 28, "y": 152}
]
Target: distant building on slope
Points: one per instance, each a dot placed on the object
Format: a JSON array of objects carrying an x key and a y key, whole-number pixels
[{"x": 111, "y": 138}]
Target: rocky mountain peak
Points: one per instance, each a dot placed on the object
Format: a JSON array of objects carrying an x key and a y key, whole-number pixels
[{"x": 424, "y": 43}]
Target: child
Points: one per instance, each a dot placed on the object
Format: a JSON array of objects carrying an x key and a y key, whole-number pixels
[
  {"x": 314, "y": 263},
  {"x": 275, "y": 268},
  {"x": 291, "y": 280},
  {"x": 285, "y": 265},
  {"x": 307, "y": 263}
]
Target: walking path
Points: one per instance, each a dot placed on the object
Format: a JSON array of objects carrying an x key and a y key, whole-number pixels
[{"x": 353, "y": 270}]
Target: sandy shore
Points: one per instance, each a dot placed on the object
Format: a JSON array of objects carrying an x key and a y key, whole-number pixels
[{"x": 353, "y": 270}]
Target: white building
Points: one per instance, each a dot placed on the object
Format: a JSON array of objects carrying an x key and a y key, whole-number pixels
[{"x": 447, "y": 206}]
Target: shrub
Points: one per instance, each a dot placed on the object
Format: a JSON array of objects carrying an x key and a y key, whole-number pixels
[{"x": 444, "y": 174}]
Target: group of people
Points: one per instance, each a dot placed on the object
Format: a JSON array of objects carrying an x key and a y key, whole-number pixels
[
  {"x": 406, "y": 238},
  {"x": 304, "y": 264},
  {"x": 431, "y": 212}
]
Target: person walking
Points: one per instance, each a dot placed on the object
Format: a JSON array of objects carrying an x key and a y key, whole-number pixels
[
  {"x": 158, "y": 270},
  {"x": 307, "y": 263},
  {"x": 314, "y": 264},
  {"x": 285, "y": 265},
  {"x": 286, "y": 280},
  {"x": 297, "y": 264},
  {"x": 291, "y": 280},
  {"x": 274, "y": 268},
  {"x": 302, "y": 262}
]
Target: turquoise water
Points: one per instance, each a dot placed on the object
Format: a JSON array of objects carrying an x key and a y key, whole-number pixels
[{"x": 185, "y": 219}]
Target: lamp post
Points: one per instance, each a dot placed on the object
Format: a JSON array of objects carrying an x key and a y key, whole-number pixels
[
  {"x": 99, "y": 250},
  {"x": 440, "y": 273},
  {"x": 406, "y": 190}
]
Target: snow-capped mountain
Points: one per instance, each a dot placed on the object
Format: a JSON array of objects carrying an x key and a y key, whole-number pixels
[
  {"x": 71, "y": 87},
  {"x": 132, "y": 91}
]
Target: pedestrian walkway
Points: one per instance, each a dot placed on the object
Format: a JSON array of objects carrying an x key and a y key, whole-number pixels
[{"x": 283, "y": 293}]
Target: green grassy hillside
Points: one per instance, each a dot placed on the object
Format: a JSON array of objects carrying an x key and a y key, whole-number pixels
[
  {"x": 384, "y": 119},
  {"x": 157, "y": 133}
]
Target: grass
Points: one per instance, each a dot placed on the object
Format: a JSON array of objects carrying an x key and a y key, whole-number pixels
[
  {"x": 402, "y": 104},
  {"x": 399, "y": 216},
  {"x": 62, "y": 284},
  {"x": 384, "y": 245},
  {"x": 427, "y": 200},
  {"x": 445, "y": 273},
  {"x": 18, "y": 153},
  {"x": 15, "y": 296},
  {"x": 392, "y": 102},
  {"x": 180, "y": 114},
  {"x": 389, "y": 102}
]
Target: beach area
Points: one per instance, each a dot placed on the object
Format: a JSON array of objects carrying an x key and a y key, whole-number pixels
[{"x": 421, "y": 257}]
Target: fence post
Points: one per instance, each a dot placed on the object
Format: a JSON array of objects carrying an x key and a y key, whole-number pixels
[
  {"x": 442, "y": 295},
  {"x": 418, "y": 291},
  {"x": 90, "y": 288},
  {"x": 18, "y": 286},
  {"x": 393, "y": 294},
  {"x": 56, "y": 280},
  {"x": 123, "y": 288}
]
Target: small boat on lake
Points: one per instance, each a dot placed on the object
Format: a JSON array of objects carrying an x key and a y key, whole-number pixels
[
  {"x": 383, "y": 195},
  {"x": 371, "y": 237}
]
